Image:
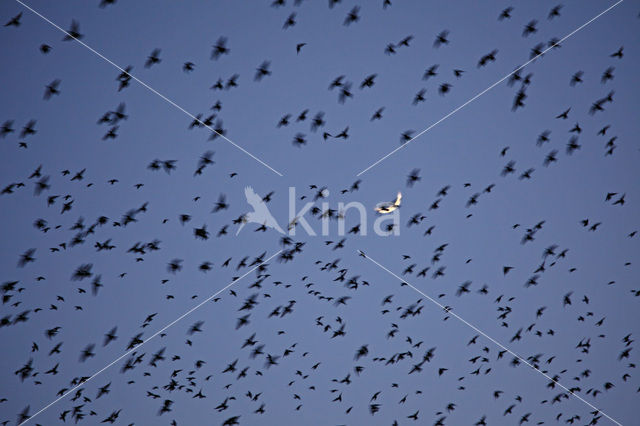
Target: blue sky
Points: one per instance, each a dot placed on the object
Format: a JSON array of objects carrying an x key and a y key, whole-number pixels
[{"x": 463, "y": 152}]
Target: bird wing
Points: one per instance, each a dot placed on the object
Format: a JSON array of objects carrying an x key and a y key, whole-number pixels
[{"x": 398, "y": 199}]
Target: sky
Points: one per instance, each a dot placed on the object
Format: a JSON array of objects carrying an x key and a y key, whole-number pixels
[{"x": 583, "y": 249}]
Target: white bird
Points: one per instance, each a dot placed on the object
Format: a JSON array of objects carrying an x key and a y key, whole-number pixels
[{"x": 384, "y": 208}]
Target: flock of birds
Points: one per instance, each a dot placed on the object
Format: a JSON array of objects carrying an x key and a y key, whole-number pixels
[{"x": 171, "y": 373}]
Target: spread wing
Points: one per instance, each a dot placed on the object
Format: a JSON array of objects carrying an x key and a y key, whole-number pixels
[{"x": 398, "y": 199}]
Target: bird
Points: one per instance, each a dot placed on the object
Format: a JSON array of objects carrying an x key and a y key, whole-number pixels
[
  {"x": 262, "y": 70},
  {"x": 413, "y": 177},
  {"x": 389, "y": 207},
  {"x": 220, "y": 48},
  {"x": 15, "y": 21},
  {"x": 352, "y": 16},
  {"x": 73, "y": 33},
  {"x": 188, "y": 66},
  {"x": 441, "y": 39},
  {"x": 368, "y": 81},
  {"x": 290, "y": 22},
  {"x": 489, "y": 57},
  {"x": 530, "y": 28},
  {"x": 377, "y": 115},
  {"x": 52, "y": 89},
  {"x": 576, "y": 78},
  {"x": 505, "y": 14},
  {"x": 153, "y": 58}
]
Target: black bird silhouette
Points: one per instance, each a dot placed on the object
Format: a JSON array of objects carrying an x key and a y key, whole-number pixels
[
  {"x": 220, "y": 48},
  {"x": 73, "y": 33},
  {"x": 413, "y": 177},
  {"x": 290, "y": 22},
  {"x": 52, "y": 89},
  {"x": 368, "y": 81},
  {"x": 489, "y": 57},
  {"x": 15, "y": 21},
  {"x": 352, "y": 16},
  {"x": 441, "y": 39},
  {"x": 505, "y": 14},
  {"x": 153, "y": 58},
  {"x": 262, "y": 71},
  {"x": 377, "y": 115}
]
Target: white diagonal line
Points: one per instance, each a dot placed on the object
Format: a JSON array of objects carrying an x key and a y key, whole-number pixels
[
  {"x": 468, "y": 324},
  {"x": 490, "y": 87},
  {"x": 151, "y": 89},
  {"x": 151, "y": 337}
]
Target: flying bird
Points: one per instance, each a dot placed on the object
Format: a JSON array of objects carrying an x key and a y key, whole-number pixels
[{"x": 388, "y": 207}]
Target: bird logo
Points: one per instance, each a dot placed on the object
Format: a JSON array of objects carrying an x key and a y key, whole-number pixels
[
  {"x": 388, "y": 207},
  {"x": 260, "y": 214}
]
